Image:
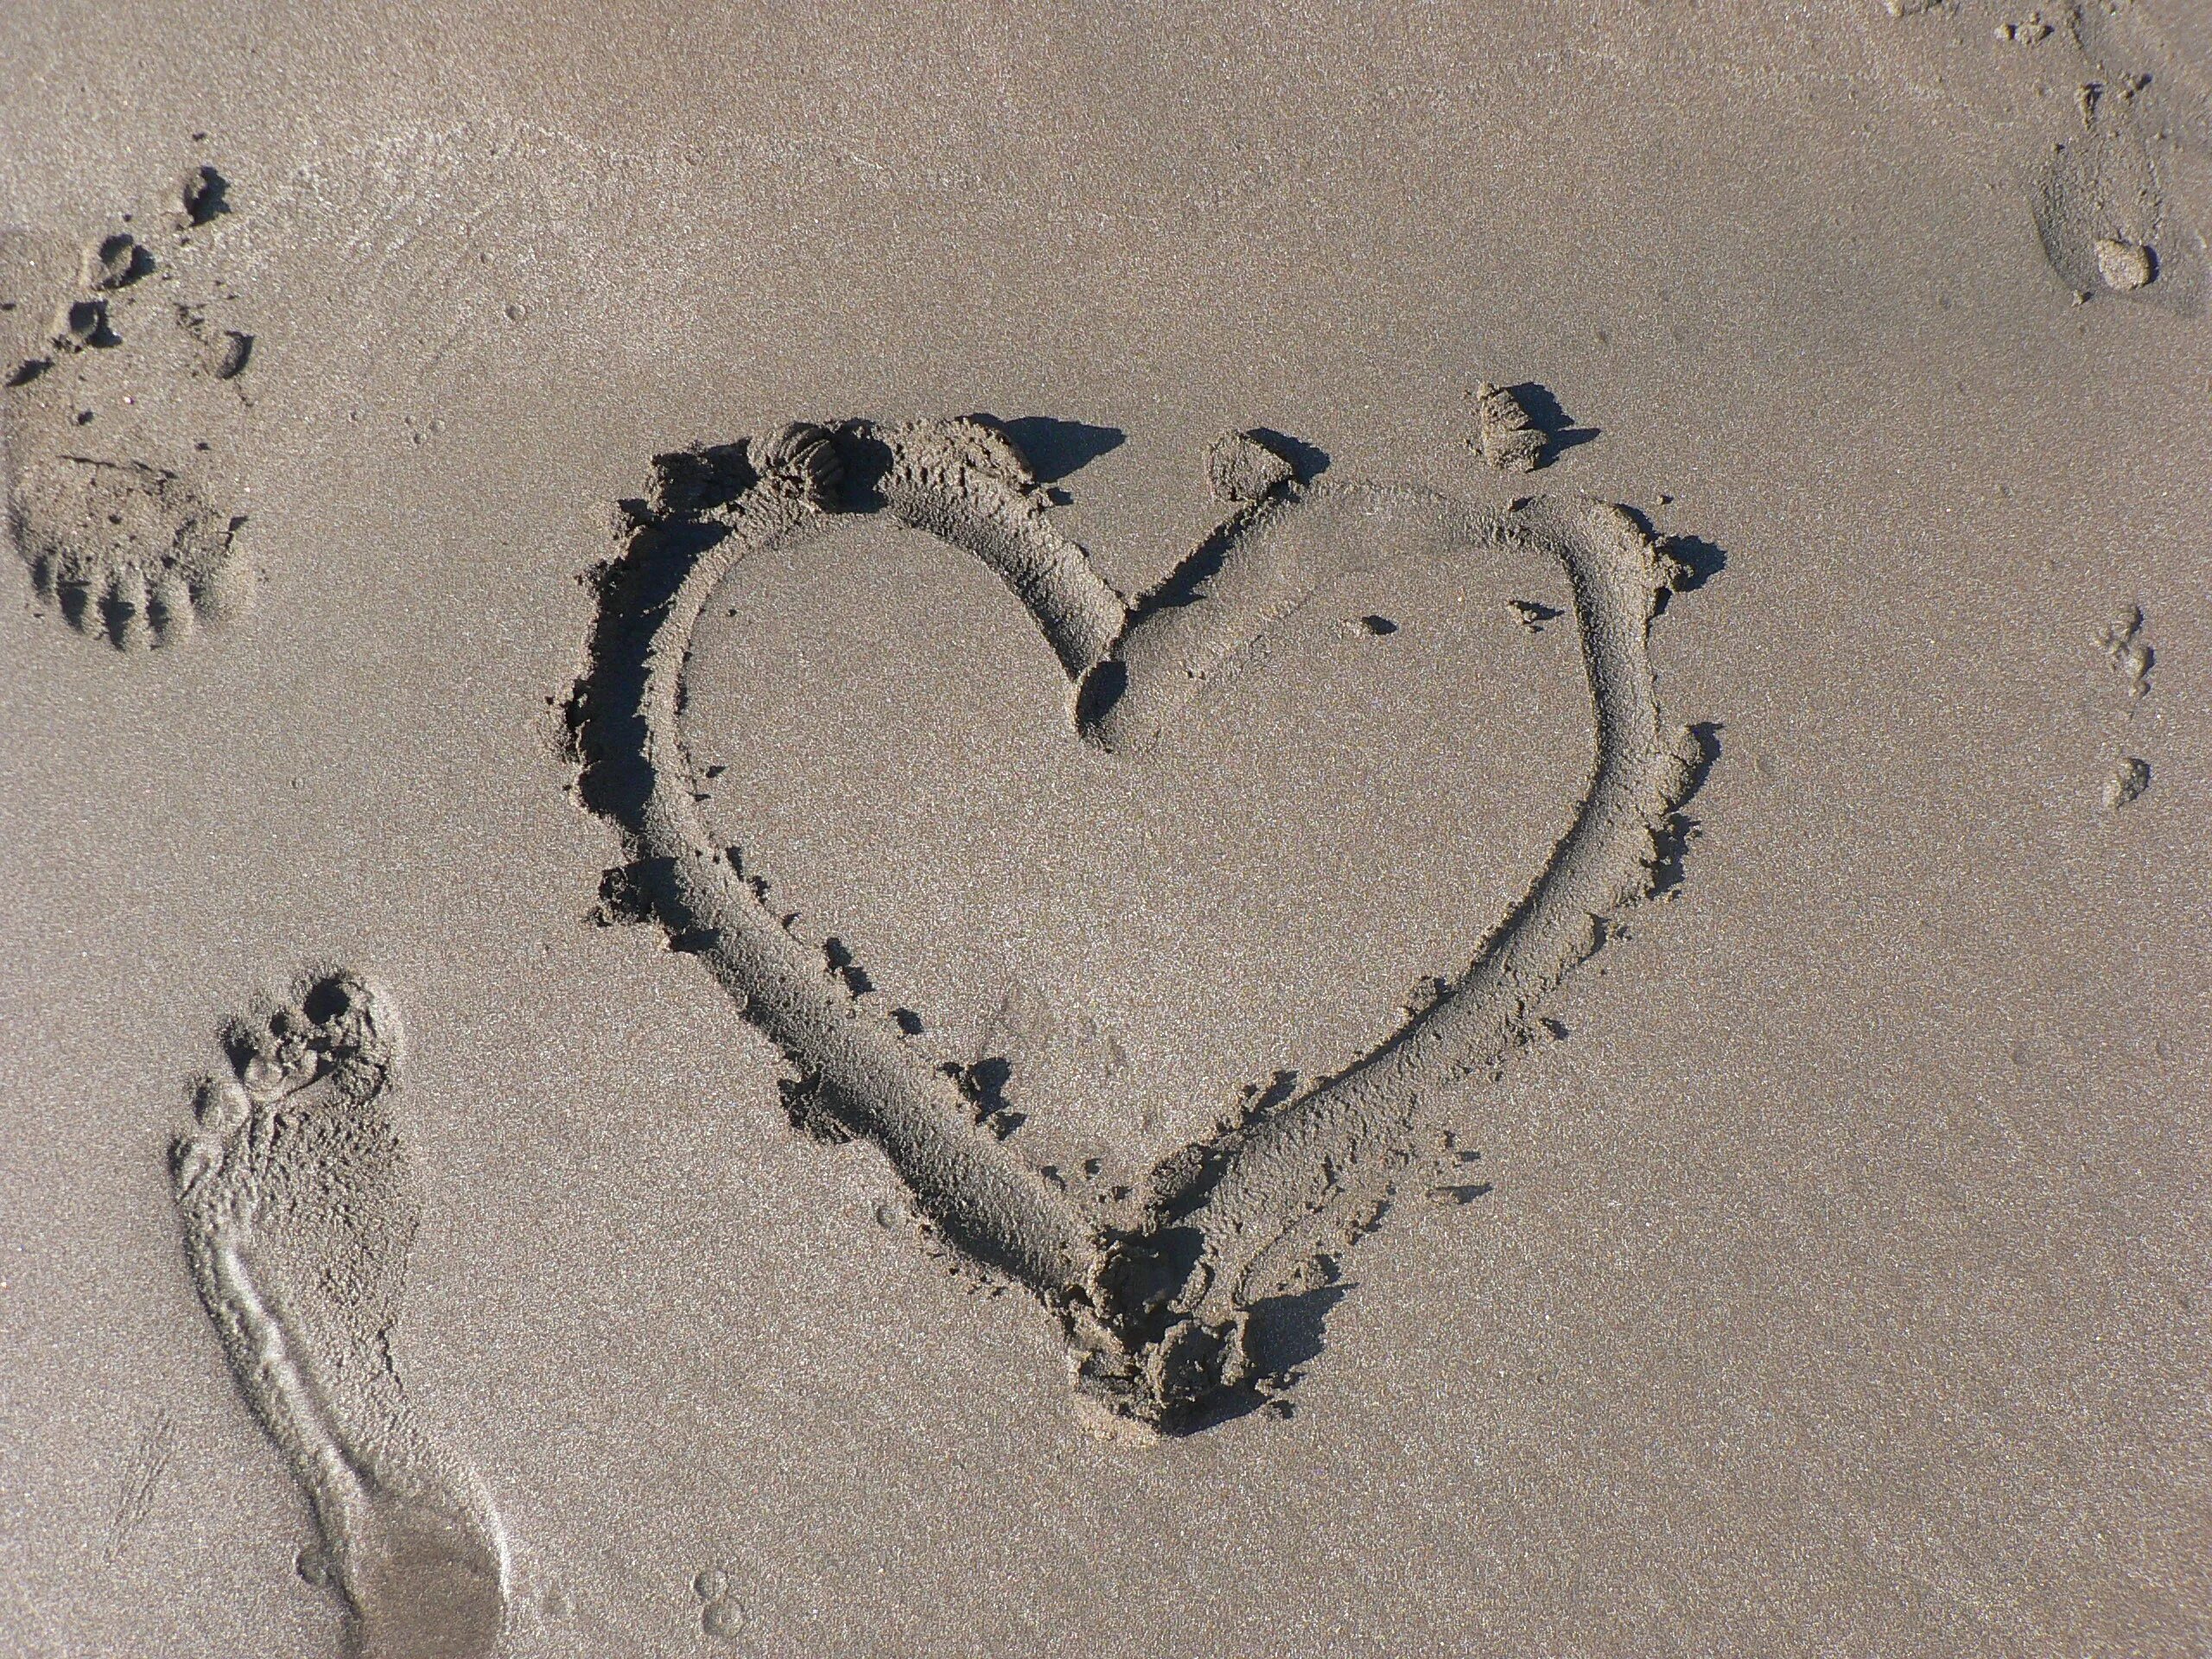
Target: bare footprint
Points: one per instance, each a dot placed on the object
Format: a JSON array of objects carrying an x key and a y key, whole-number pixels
[
  {"x": 130, "y": 553},
  {"x": 117, "y": 396},
  {"x": 2101, "y": 115},
  {"x": 300, "y": 1211}
]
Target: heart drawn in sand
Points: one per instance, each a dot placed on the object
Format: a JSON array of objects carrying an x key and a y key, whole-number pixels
[{"x": 1153, "y": 1305}]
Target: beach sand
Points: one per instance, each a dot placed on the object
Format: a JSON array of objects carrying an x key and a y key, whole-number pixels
[{"x": 1715, "y": 1166}]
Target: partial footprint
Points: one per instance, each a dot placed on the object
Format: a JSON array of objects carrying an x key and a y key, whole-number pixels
[
  {"x": 114, "y": 410},
  {"x": 300, "y": 1212},
  {"x": 2105, "y": 224},
  {"x": 131, "y": 554},
  {"x": 2103, "y": 113}
]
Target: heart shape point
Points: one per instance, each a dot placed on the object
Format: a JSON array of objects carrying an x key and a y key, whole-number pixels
[{"x": 1156, "y": 1313}]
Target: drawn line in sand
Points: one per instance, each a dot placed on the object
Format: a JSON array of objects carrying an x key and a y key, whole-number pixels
[
  {"x": 299, "y": 1212},
  {"x": 1155, "y": 1310}
]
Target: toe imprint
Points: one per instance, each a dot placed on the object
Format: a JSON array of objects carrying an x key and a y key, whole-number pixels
[{"x": 133, "y": 554}]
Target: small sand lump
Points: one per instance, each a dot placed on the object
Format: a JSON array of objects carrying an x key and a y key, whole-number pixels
[
  {"x": 198, "y": 197},
  {"x": 2126, "y": 649},
  {"x": 2125, "y": 266},
  {"x": 2128, "y": 781},
  {"x": 113, "y": 262},
  {"x": 1509, "y": 440},
  {"x": 1243, "y": 469}
]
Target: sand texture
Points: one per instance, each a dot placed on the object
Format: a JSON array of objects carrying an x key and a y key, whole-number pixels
[{"x": 1133, "y": 831}]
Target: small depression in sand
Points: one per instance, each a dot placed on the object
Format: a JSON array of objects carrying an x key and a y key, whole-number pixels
[{"x": 877, "y": 724}]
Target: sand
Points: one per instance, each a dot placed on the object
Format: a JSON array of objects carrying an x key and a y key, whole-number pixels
[{"x": 1162, "y": 832}]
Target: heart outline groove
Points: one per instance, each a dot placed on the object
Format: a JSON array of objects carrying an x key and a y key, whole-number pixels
[{"x": 1154, "y": 1314}]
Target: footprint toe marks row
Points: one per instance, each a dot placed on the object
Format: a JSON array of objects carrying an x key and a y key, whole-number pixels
[{"x": 128, "y": 553}]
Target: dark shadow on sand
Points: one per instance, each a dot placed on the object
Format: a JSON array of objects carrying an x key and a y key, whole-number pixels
[
  {"x": 1701, "y": 560},
  {"x": 1560, "y": 430},
  {"x": 1284, "y": 1335},
  {"x": 1055, "y": 448},
  {"x": 1308, "y": 461}
]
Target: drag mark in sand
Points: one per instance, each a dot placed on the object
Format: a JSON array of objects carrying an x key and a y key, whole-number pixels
[
  {"x": 300, "y": 1210},
  {"x": 142, "y": 1481},
  {"x": 1155, "y": 1308}
]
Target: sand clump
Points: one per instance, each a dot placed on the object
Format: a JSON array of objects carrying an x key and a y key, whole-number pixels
[
  {"x": 2129, "y": 778},
  {"x": 2125, "y": 265},
  {"x": 1507, "y": 438},
  {"x": 2127, "y": 653}
]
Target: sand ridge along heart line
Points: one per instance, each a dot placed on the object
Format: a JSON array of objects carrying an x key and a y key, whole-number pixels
[
  {"x": 1154, "y": 1312},
  {"x": 300, "y": 1210}
]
